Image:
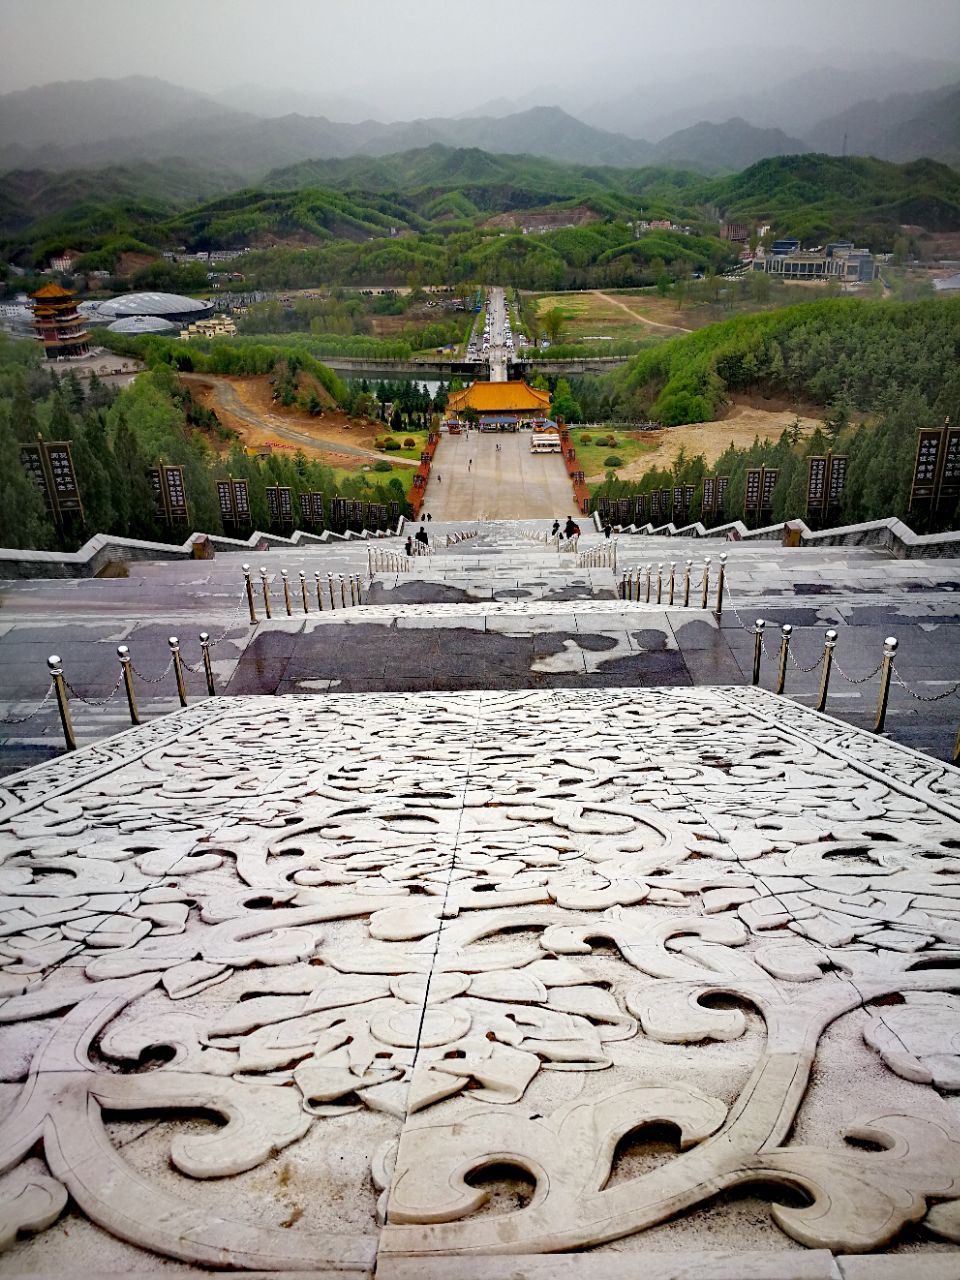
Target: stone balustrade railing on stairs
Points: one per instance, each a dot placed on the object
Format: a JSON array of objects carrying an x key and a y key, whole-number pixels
[
  {"x": 103, "y": 549},
  {"x": 890, "y": 535}
]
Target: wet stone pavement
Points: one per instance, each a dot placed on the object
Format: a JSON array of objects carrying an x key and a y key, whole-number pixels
[{"x": 503, "y": 610}]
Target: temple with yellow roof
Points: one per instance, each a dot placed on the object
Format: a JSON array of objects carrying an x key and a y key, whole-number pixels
[{"x": 503, "y": 405}]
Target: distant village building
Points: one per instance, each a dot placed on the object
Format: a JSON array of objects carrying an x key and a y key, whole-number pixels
[
  {"x": 736, "y": 232},
  {"x": 217, "y": 327},
  {"x": 58, "y": 323},
  {"x": 840, "y": 260},
  {"x": 64, "y": 261}
]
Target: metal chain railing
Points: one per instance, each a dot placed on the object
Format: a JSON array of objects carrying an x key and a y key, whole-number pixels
[
  {"x": 13, "y": 720},
  {"x": 919, "y": 697},
  {"x": 857, "y": 679},
  {"x": 148, "y": 679},
  {"x": 96, "y": 702}
]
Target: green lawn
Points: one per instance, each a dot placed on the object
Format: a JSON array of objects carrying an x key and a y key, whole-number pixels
[{"x": 630, "y": 445}]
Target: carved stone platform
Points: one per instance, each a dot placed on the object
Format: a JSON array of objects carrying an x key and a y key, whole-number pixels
[{"x": 664, "y": 981}]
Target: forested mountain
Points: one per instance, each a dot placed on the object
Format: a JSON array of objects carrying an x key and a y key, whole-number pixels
[
  {"x": 897, "y": 128},
  {"x": 860, "y": 352},
  {"x": 440, "y": 194}
]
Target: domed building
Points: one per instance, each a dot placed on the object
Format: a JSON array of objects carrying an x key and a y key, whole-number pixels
[
  {"x": 176, "y": 308},
  {"x": 135, "y": 325}
]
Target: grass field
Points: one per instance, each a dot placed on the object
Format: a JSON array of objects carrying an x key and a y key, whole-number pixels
[
  {"x": 631, "y": 447},
  {"x": 593, "y": 314}
]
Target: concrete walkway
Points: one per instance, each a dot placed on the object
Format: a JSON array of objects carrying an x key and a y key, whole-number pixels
[{"x": 513, "y": 484}]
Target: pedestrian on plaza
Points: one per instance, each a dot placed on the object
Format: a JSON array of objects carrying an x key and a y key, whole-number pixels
[
  {"x": 408, "y": 546},
  {"x": 556, "y": 529},
  {"x": 569, "y": 527},
  {"x": 607, "y": 530},
  {"x": 429, "y": 517},
  {"x": 469, "y": 463},
  {"x": 422, "y": 535},
  {"x": 439, "y": 478}
]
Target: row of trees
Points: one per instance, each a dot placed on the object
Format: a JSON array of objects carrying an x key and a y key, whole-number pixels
[{"x": 880, "y": 467}]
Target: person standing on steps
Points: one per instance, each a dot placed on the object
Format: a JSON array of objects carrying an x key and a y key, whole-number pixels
[
  {"x": 408, "y": 546},
  {"x": 556, "y": 529},
  {"x": 569, "y": 528},
  {"x": 422, "y": 536}
]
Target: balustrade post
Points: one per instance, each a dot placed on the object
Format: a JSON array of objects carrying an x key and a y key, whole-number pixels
[
  {"x": 123, "y": 653},
  {"x": 207, "y": 667},
  {"x": 785, "y": 632},
  {"x": 249, "y": 587},
  {"x": 174, "y": 644},
  {"x": 60, "y": 689},
  {"x": 723, "y": 566},
  {"x": 829, "y": 643},
  {"x": 757, "y": 648},
  {"x": 889, "y": 653}
]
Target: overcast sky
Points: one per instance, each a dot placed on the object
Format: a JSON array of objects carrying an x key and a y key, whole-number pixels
[{"x": 409, "y": 57}]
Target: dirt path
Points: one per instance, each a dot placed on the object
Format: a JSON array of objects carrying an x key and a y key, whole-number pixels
[
  {"x": 654, "y": 324},
  {"x": 225, "y": 398}
]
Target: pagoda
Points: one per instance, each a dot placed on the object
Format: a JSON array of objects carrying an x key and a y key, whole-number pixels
[{"x": 59, "y": 324}]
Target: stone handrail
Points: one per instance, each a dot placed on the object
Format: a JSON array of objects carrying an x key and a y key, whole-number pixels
[
  {"x": 104, "y": 548},
  {"x": 890, "y": 535}
]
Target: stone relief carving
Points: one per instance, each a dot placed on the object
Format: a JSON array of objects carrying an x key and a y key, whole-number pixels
[{"x": 498, "y": 930}]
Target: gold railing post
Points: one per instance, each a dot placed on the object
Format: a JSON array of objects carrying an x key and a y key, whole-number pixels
[
  {"x": 60, "y": 689},
  {"x": 706, "y": 582},
  {"x": 889, "y": 653},
  {"x": 686, "y": 583},
  {"x": 659, "y": 583},
  {"x": 333, "y": 603},
  {"x": 249, "y": 586},
  {"x": 174, "y": 644},
  {"x": 286, "y": 592},
  {"x": 623, "y": 586},
  {"x": 359, "y": 577},
  {"x": 673, "y": 576},
  {"x": 207, "y": 667},
  {"x": 757, "y": 648},
  {"x": 648, "y": 568},
  {"x": 123, "y": 653},
  {"x": 266, "y": 593},
  {"x": 303, "y": 591},
  {"x": 343, "y": 591},
  {"x": 785, "y": 632},
  {"x": 316, "y": 575},
  {"x": 829, "y": 643},
  {"x": 723, "y": 566}
]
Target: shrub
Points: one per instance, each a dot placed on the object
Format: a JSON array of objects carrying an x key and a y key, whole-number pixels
[
  {"x": 613, "y": 461},
  {"x": 382, "y": 465},
  {"x": 612, "y": 442},
  {"x": 391, "y": 445},
  {"x": 409, "y": 443},
  {"x": 585, "y": 437}
]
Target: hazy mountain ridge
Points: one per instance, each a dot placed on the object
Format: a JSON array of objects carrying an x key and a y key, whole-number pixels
[{"x": 101, "y": 123}]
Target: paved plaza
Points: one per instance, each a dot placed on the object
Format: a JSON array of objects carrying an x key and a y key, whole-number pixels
[{"x": 494, "y": 476}]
